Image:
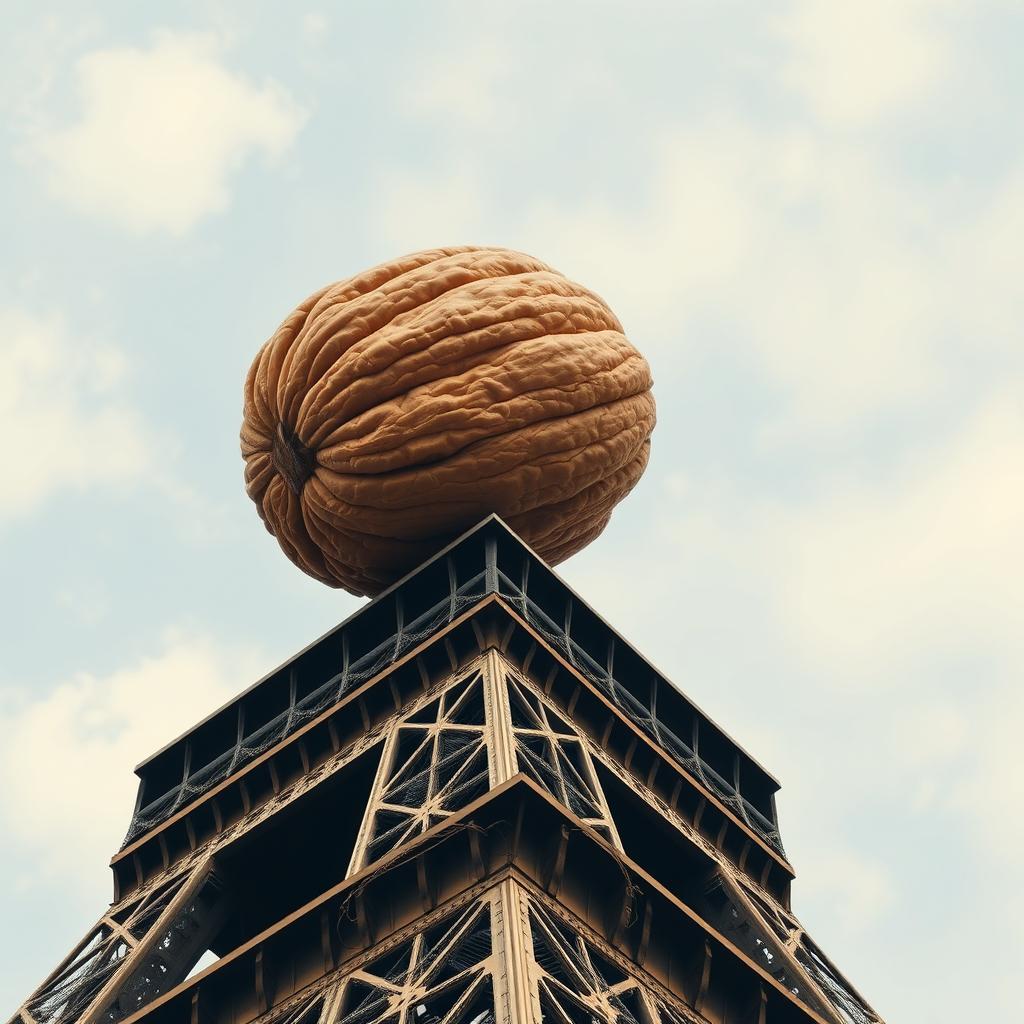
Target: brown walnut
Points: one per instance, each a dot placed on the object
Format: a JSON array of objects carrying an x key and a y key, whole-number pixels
[{"x": 391, "y": 411}]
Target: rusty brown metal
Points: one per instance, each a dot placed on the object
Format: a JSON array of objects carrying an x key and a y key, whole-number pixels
[{"x": 478, "y": 827}]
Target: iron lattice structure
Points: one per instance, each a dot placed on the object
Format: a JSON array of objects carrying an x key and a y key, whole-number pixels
[{"x": 472, "y": 802}]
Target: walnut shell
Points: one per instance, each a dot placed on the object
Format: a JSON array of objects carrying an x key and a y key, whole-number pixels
[{"x": 393, "y": 410}]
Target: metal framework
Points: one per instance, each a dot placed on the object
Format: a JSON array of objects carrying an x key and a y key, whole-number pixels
[{"x": 467, "y": 804}]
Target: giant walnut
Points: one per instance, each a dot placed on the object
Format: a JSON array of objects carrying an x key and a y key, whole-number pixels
[{"x": 391, "y": 411}]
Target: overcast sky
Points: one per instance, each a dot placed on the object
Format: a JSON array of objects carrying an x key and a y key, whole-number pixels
[{"x": 808, "y": 216}]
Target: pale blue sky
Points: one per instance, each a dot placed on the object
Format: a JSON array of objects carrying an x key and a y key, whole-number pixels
[{"x": 808, "y": 216}]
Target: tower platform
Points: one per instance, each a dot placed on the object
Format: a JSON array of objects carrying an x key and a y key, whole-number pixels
[{"x": 471, "y": 802}]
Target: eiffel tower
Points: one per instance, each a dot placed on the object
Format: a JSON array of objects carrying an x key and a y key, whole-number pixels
[{"x": 471, "y": 802}]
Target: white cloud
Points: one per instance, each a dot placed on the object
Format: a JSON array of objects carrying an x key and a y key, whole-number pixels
[
  {"x": 876, "y": 582},
  {"x": 991, "y": 793},
  {"x": 888, "y": 576},
  {"x": 860, "y": 889},
  {"x": 63, "y": 410},
  {"x": 67, "y": 756},
  {"x": 819, "y": 269},
  {"x": 66, "y": 405},
  {"x": 850, "y": 287},
  {"x": 866, "y": 640},
  {"x": 160, "y": 133},
  {"x": 315, "y": 25},
  {"x": 87, "y": 602},
  {"x": 897, "y": 592},
  {"x": 466, "y": 90},
  {"x": 894, "y": 606},
  {"x": 695, "y": 230},
  {"x": 981, "y": 271},
  {"x": 412, "y": 213},
  {"x": 854, "y": 62}
]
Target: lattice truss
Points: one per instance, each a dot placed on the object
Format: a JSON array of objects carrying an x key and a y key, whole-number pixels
[
  {"x": 449, "y": 751},
  {"x": 579, "y": 984},
  {"x": 480, "y": 727},
  {"x": 464, "y": 969},
  {"x": 133, "y": 954},
  {"x": 552, "y": 753},
  {"x": 303, "y": 707},
  {"x": 441, "y": 975},
  {"x": 434, "y": 763},
  {"x": 776, "y": 940},
  {"x": 646, "y": 717},
  {"x": 151, "y": 940}
]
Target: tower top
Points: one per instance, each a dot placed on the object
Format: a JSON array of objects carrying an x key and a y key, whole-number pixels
[
  {"x": 472, "y": 802},
  {"x": 487, "y": 560}
]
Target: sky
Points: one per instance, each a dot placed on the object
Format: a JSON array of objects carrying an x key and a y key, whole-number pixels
[{"x": 807, "y": 215}]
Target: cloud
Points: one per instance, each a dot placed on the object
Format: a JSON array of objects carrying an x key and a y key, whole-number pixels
[
  {"x": 845, "y": 283},
  {"x": 315, "y": 25},
  {"x": 888, "y": 597},
  {"x": 801, "y": 254},
  {"x": 853, "y": 63},
  {"x": 160, "y": 133},
  {"x": 412, "y": 213},
  {"x": 67, "y": 756},
  {"x": 890, "y": 575},
  {"x": 463, "y": 90},
  {"x": 879, "y": 581},
  {"x": 87, "y": 602},
  {"x": 860, "y": 888},
  {"x": 863, "y": 635},
  {"x": 991, "y": 792},
  {"x": 806, "y": 261},
  {"x": 63, "y": 410},
  {"x": 982, "y": 271},
  {"x": 694, "y": 231},
  {"x": 74, "y": 427}
]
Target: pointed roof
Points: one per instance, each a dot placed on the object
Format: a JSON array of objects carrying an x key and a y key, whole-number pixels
[{"x": 487, "y": 560}]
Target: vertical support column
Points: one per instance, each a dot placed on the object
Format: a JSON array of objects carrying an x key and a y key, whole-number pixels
[
  {"x": 516, "y": 997},
  {"x": 101, "y": 1004},
  {"x": 380, "y": 782},
  {"x": 568, "y": 764},
  {"x": 491, "y": 565},
  {"x": 420, "y": 773},
  {"x": 602, "y": 800},
  {"x": 330, "y": 1010},
  {"x": 500, "y": 738}
]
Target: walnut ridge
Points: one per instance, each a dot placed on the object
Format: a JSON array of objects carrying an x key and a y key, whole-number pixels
[{"x": 393, "y": 410}]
